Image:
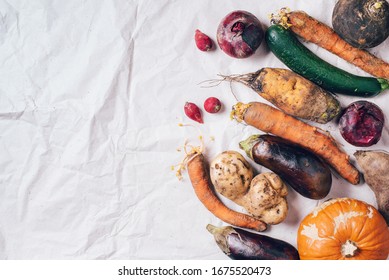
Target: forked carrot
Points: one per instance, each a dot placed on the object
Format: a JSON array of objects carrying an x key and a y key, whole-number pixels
[
  {"x": 314, "y": 31},
  {"x": 274, "y": 121},
  {"x": 202, "y": 186}
]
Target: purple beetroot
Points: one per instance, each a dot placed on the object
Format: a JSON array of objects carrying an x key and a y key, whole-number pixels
[
  {"x": 361, "y": 124},
  {"x": 240, "y": 34}
]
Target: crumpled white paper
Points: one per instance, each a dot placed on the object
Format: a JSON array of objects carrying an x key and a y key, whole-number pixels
[{"x": 90, "y": 100}]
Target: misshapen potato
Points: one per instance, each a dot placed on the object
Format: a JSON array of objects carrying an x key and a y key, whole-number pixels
[
  {"x": 266, "y": 198},
  {"x": 263, "y": 196},
  {"x": 231, "y": 174}
]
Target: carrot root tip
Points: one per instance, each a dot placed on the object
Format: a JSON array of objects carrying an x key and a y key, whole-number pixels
[
  {"x": 281, "y": 18},
  {"x": 238, "y": 111}
]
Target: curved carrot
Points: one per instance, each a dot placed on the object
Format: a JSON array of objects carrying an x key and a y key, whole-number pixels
[
  {"x": 314, "y": 31},
  {"x": 202, "y": 186},
  {"x": 271, "y": 120}
]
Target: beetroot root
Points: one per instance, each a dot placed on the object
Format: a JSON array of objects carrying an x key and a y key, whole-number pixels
[{"x": 239, "y": 34}]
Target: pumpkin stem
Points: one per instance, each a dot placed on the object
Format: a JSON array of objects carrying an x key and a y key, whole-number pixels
[{"x": 349, "y": 249}]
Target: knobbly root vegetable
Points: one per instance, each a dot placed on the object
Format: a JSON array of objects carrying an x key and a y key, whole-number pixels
[
  {"x": 362, "y": 23},
  {"x": 291, "y": 93},
  {"x": 239, "y": 244},
  {"x": 375, "y": 167},
  {"x": 231, "y": 174},
  {"x": 203, "y": 42},
  {"x": 300, "y": 59},
  {"x": 299, "y": 168},
  {"x": 361, "y": 124},
  {"x": 343, "y": 229},
  {"x": 239, "y": 34},
  {"x": 314, "y": 31},
  {"x": 212, "y": 105},
  {"x": 266, "y": 198},
  {"x": 263, "y": 196},
  {"x": 199, "y": 177},
  {"x": 193, "y": 112},
  {"x": 276, "y": 122}
]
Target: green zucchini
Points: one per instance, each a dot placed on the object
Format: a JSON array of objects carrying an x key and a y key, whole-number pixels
[{"x": 301, "y": 60}]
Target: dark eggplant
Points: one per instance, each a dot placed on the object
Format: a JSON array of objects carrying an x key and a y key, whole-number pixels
[
  {"x": 239, "y": 244},
  {"x": 302, "y": 170}
]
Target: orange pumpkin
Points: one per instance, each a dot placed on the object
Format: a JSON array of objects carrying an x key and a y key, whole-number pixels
[{"x": 343, "y": 229}]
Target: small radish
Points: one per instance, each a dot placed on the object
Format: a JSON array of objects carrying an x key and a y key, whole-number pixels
[
  {"x": 193, "y": 112},
  {"x": 212, "y": 105},
  {"x": 203, "y": 42}
]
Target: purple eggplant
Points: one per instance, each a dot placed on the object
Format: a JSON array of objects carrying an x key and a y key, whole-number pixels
[
  {"x": 239, "y": 244},
  {"x": 302, "y": 170}
]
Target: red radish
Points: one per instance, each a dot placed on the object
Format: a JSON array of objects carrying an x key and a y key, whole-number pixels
[
  {"x": 203, "y": 42},
  {"x": 240, "y": 34},
  {"x": 193, "y": 112},
  {"x": 212, "y": 105}
]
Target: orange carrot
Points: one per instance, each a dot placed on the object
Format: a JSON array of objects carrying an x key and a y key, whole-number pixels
[
  {"x": 274, "y": 121},
  {"x": 314, "y": 31},
  {"x": 202, "y": 186}
]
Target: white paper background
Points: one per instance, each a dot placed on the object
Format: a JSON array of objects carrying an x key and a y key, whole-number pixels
[{"x": 91, "y": 94}]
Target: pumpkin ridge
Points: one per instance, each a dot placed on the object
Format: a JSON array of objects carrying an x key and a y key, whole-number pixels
[
  {"x": 349, "y": 226},
  {"x": 362, "y": 233}
]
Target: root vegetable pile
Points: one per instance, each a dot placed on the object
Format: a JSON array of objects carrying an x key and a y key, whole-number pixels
[
  {"x": 263, "y": 196},
  {"x": 199, "y": 177},
  {"x": 299, "y": 154}
]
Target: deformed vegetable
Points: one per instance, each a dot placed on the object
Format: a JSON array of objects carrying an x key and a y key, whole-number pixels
[
  {"x": 276, "y": 122},
  {"x": 343, "y": 229},
  {"x": 291, "y": 93},
  {"x": 212, "y": 105},
  {"x": 239, "y": 244},
  {"x": 361, "y": 123},
  {"x": 299, "y": 168},
  {"x": 263, "y": 196},
  {"x": 314, "y": 31},
  {"x": 301, "y": 60},
  {"x": 362, "y": 23},
  {"x": 193, "y": 112},
  {"x": 375, "y": 167},
  {"x": 231, "y": 174},
  {"x": 199, "y": 177},
  {"x": 203, "y": 42},
  {"x": 239, "y": 34},
  {"x": 266, "y": 198}
]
